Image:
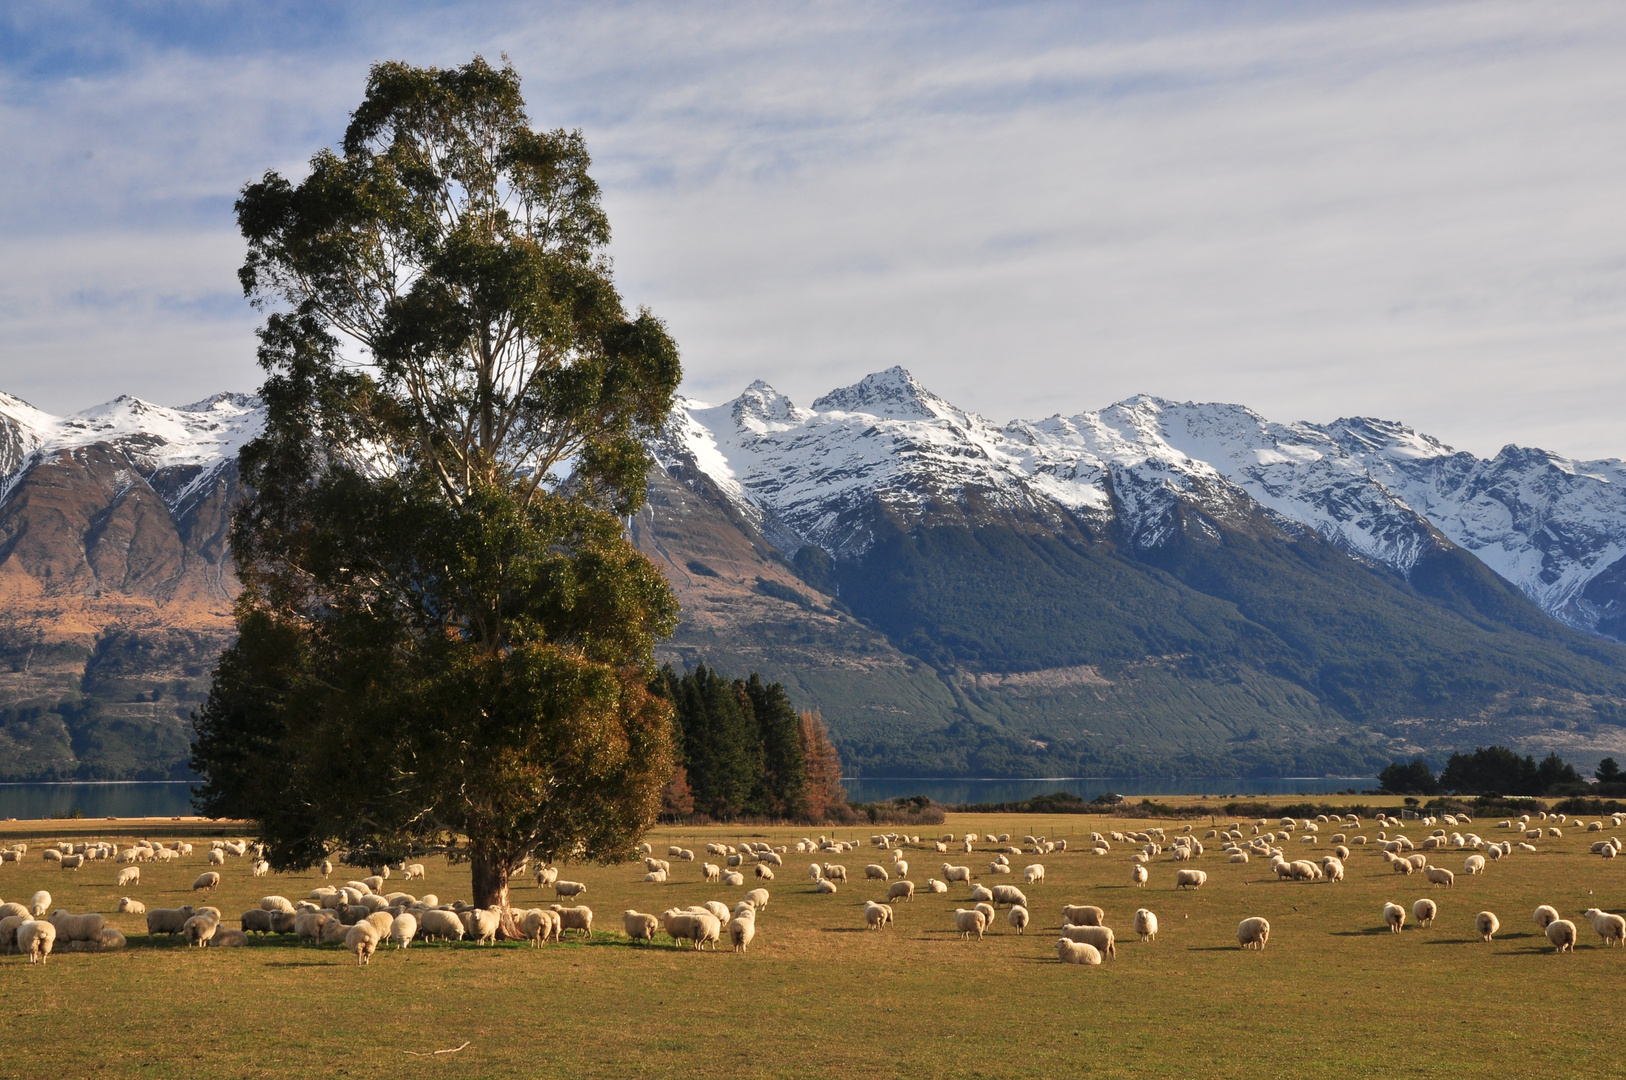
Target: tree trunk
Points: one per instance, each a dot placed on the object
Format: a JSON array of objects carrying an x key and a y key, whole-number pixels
[{"x": 489, "y": 873}]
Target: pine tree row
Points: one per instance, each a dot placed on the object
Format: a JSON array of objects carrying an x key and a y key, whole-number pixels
[{"x": 745, "y": 751}]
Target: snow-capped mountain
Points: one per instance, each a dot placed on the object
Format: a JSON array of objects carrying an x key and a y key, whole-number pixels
[{"x": 1553, "y": 527}]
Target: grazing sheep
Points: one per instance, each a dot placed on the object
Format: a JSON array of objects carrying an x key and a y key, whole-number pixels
[
  {"x": 1439, "y": 875},
  {"x": 900, "y": 867},
  {"x": 742, "y": 930},
  {"x": 1473, "y": 864},
  {"x": 1102, "y": 937},
  {"x": 1018, "y": 918},
  {"x": 764, "y": 872},
  {"x": 1612, "y": 928},
  {"x": 1333, "y": 868},
  {"x": 1545, "y": 916},
  {"x": 206, "y": 882},
  {"x": 578, "y": 918},
  {"x": 692, "y": 926},
  {"x": 1487, "y": 924},
  {"x": 69, "y": 927},
  {"x": 412, "y": 872},
  {"x": 362, "y": 939},
  {"x": 568, "y": 888},
  {"x": 546, "y": 875},
  {"x": 1007, "y": 895},
  {"x": 639, "y": 926},
  {"x": 970, "y": 921},
  {"x": 1077, "y": 952},
  {"x": 1236, "y": 857},
  {"x": 758, "y": 898},
  {"x": 130, "y": 875},
  {"x": 217, "y": 857},
  {"x": 35, "y": 938},
  {"x": 403, "y": 928},
  {"x": 1394, "y": 917},
  {"x": 876, "y": 916},
  {"x": 255, "y": 921},
  {"x": 40, "y": 902},
  {"x": 1253, "y": 933},
  {"x": 1033, "y": 875},
  {"x": 1082, "y": 915},
  {"x": 1146, "y": 925},
  {"x": 1191, "y": 878},
  {"x": 904, "y": 890},
  {"x": 1561, "y": 933},
  {"x": 875, "y": 872},
  {"x": 1424, "y": 911},
  {"x": 200, "y": 928},
  {"x": 437, "y": 923}
]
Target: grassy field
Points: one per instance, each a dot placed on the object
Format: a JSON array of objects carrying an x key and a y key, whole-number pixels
[{"x": 1335, "y": 994}]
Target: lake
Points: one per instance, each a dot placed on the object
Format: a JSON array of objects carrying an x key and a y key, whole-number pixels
[
  {"x": 145, "y": 798},
  {"x": 954, "y": 792}
]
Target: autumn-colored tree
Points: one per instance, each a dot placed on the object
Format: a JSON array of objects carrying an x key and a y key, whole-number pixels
[{"x": 823, "y": 767}]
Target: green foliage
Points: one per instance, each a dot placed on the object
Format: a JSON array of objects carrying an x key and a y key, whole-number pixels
[
  {"x": 1608, "y": 771},
  {"x": 1400, "y": 778},
  {"x": 1496, "y": 770},
  {"x": 744, "y": 750},
  {"x": 440, "y": 641}
]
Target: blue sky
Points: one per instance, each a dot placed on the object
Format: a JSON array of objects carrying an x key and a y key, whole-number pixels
[{"x": 1411, "y": 211}]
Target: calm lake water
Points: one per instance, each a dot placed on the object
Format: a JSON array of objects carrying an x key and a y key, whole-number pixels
[
  {"x": 956, "y": 792},
  {"x": 171, "y": 799},
  {"x": 141, "y": 798}
]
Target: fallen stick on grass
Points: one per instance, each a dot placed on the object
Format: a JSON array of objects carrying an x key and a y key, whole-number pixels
[{"x": 453, "y": 1050}]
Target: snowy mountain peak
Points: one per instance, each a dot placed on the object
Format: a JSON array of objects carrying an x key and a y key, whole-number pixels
[
  {"x": 761, "y": 406},
  {"x": 893, "y": 392}
]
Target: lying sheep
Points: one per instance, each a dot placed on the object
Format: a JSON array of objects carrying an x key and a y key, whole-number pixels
[
  {"x": 1146, "y": 925},
  {"x": 733, "y": 878},
  {"x": 1101, "y": 937},
  {"x": 876, "y": 916},
  {"x": 1077, "y": 952},
  {"x": 970, "y": 921},
  {"x": 1253, "y": 933},
  {"x": 935, "y": 886},
  {"x": 131, "y": 907},
  {"x": 1189, "y": 878},
  {"x": 1424, "y": 911},
  {"x": 823, "y": 885},
  {"x": 1561, "y": 933},
  {"x": 227, "y": 938},
  {"x": 1612, "y": 928},
  {"x": 982, "y": 892},
  {"x": 35, "y": 938},
  {"x": 901, "y": 890},
  {"x": 639, "y": 926},
  {"x": 1082, "y": 915},
  {"x": 1394, "y": 917}
]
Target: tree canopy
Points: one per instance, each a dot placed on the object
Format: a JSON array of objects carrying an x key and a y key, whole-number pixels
[
  {"x": 444, "y": 635},
  {"x": 1489, "y": 770}
]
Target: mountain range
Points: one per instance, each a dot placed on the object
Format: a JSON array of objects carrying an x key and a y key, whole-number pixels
[{"x": 1158, "y": 588}]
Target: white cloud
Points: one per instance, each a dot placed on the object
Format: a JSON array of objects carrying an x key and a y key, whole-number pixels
[{"x": 1413, "y": 212}]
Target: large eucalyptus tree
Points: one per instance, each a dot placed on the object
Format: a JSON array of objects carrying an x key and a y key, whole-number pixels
[{"x": 444, "y": 636}]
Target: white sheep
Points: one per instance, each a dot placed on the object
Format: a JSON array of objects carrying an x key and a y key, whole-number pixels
[
  {"x": 1102, "y": 937},
  {"x": 403, "y": 928},
  {"x": 1189, "y": 878},
  {"x": 970, "y": 921},
  {"x": 481, "y": 925},
  {"x": 568, "y": 888},
  {"x": 764, "y": 871},
  {"x": 35, "y": 937},
  {"x": 39, "y": 904},
  {"x": 1138, "y": 875},
  {"x": 758, "y": 898},
  {"x": 206, "y": 882},
  {"x": 130, "y": 875},
  {"x": 900, "y": 867},
  {"x": 1082, "y": 915},
  {"x": 901, "y": 890},
  {"x": 1394, "y": 917},
  {"x": 835, "y": 872},
  {"x": 1487, "y": 924},
  {"x": 1146, "y": 925},
  {"x": 1033, "y": 875},
  {"x": 1612, "y": 928},
  {"x": 823, "y": 885},
  {"x": 1424, "y": 911},
  {"x": 579, "y": 918},
  {"x": 639, "y": 926},
  {"x": 876, "y": 916},
  {"x": 1545, "y": 916},
  {"x": 131, "y": 907},
  {"x": 200, "y": 928},
  {"x": 1439, "y": 875},
  {"x": 742, "y": 930},
  {"x": 935, "y": 886},
  {"x": 1006, "y": 895},
  {"x": 1561, "y": 933},
  {"x": 875, "y": 872},
  {"x": 362, "y": 939},
  {"x": 1473, "y": 864},
  {"x": 1253, "y": 933},
  {"x": 1018, "y": 918},
  {"x": 1077, "y": 952},
  {"x": 733, "y": 878}
]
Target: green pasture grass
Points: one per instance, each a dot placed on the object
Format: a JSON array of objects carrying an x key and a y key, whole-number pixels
[{"x": 1334, "y": 994}]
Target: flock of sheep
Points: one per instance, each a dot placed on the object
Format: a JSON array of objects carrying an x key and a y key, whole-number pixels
[{"x": 362, "y": 916}]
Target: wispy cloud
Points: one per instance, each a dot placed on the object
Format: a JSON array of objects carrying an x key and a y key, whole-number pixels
[{"x": 1412, "y": 211}]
